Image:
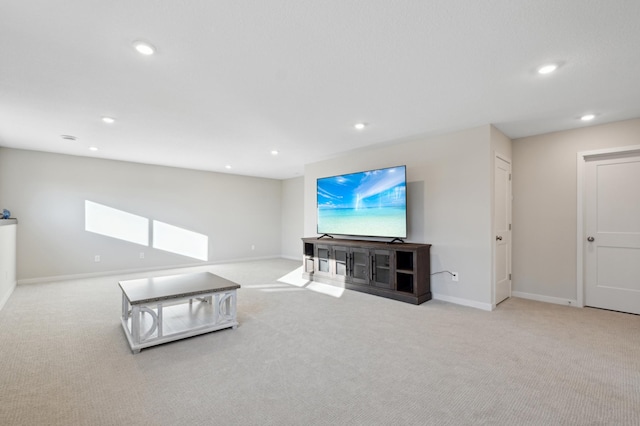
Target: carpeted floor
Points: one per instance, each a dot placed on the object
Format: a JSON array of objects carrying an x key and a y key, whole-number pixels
[{"x": 304, "y": 357}]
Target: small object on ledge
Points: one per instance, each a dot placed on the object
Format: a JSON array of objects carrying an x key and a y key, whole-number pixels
[{"x": 6, "y": 214}]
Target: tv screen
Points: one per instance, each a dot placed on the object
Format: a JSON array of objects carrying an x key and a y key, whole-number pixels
[{"x": 371, "y": 203}]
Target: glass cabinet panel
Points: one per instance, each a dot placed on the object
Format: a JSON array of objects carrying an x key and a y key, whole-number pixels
[
  {"x": 323, "y": 259},
  {"x": 360, "y": 266},
  {"x": 382, "y": 269},
  {"x": 341, "y": 256}
]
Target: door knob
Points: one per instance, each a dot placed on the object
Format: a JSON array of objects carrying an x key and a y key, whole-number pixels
[
  {"x": 498, "y": 238},
  {"x": 590, "y": 239}
]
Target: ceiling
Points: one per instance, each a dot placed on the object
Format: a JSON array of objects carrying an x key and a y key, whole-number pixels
[{"x": 233, "y": 80}]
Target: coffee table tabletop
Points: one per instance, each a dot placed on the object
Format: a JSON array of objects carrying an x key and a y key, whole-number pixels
[{"x": 147, "y": 290}]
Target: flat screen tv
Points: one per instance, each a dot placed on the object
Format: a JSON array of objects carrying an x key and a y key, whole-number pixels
[{"x": 372, "y": 203}]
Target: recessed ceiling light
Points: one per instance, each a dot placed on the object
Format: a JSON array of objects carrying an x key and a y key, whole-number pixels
[
  {"x": 547, "y": 69},
  {"x": 360, "y": 126},
  {"x": 274, "y": 152},
  {"x": 228, "y": 166},
  {"x": 587, "y": 117},
  {"x": 69, "y": 137},
  {"x": 109, "y": 120},
  {"x": 93, "y": 148},
  {"x": 144, "y": 48}
]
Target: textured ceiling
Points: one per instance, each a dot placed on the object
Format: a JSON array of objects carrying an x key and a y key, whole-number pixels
[{"x": 233, "y": 80}]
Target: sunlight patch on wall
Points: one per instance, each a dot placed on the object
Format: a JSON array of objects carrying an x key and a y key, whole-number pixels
[
  {"x": 115, "y": 223},
  {"x": 180, "y": 241},
  {"x": 125, "y": 226}
]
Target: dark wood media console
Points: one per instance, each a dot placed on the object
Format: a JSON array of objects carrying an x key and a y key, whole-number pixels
[{"x": 399, "y": 271}]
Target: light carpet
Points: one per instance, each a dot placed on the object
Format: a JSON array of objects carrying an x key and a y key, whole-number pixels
[{"x": 304, "y": 357}]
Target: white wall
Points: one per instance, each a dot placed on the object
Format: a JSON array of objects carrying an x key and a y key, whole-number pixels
[
  {"x": 450, "y": 206},
  {"x": 545, "y": 203},
  {"x": 449, "y": 200},
  {"x": 292, "y": 217},
  {"x": 47, "y": 192}
]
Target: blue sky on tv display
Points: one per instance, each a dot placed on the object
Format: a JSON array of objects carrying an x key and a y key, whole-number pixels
[
  {"x": 372, "y": 189},
  {"x": 371, "y": 203}
]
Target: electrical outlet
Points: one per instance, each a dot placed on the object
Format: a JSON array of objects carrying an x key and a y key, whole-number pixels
[
  {"x": 253, "y": 247},
  {"x": 141, "y": 255},
  {"x": 96, "y": 258},
  {"x": 454, "y": 276}
]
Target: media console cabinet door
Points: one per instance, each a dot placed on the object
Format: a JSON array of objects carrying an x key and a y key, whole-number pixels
[
  {"x": 360, "y": 266},
  {"x": 342, "y": 267},
  {"x": 323, "y": 257},
  {"x": 382, "y": 268}
]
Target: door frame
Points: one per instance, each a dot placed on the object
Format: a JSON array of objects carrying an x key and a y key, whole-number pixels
[
  {"x": 582, "y": 158},
  {"x": 505, "y": 158}
]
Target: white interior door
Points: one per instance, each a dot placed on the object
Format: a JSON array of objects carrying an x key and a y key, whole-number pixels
[
  {"x": 612, "y": 233},
  {"x": 502, "y": 224}
]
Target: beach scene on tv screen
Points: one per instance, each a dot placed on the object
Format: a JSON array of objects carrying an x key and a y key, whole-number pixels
[{"x": 371, "y": 203}]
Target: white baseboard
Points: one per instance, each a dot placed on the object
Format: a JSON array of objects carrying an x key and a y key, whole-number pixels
[
  {"x": 298, "y": 258},
  {"x": 135, "y": 270},
  {"x": 6, "y": 297},
  {"x": 547, "y": 299},
  {"x": 464, "y": 302}
]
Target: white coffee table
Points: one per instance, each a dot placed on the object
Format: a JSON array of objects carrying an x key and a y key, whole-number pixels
[{"x": 161, "y": 309}]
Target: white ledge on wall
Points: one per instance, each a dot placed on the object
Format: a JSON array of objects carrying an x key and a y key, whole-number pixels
[{"x": 7, "y": 259}]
